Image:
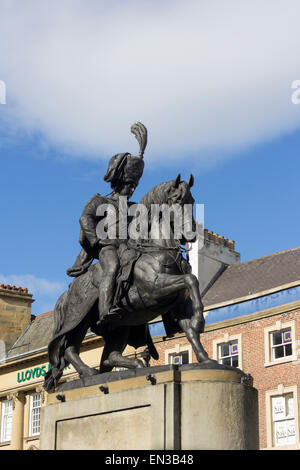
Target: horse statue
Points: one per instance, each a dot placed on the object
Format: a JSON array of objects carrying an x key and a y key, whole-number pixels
[{"x": 160, "y": 283}]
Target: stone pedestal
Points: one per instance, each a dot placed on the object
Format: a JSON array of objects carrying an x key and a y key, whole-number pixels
[{"x": 191, "y": 407}]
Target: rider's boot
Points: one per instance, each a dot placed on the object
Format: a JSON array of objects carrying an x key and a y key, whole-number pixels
[
  {"x": 110, "y": 265},
  {"x": 108, "y": 313},
  {"x": 111, "y": 315}
]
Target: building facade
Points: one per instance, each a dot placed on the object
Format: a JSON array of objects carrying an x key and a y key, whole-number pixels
[{"x": 252, "y": 312}]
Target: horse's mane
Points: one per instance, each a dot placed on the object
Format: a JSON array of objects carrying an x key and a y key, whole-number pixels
[{"x": 157, "y": 195}]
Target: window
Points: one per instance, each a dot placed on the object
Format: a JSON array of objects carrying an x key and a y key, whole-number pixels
[
  {"x": 229, "y": 354},
  {"x": 35, "y": 414},
  {"x": 6, "y": 421},
  {"x": 179, "y": 359},
  {"x": 227, "y": 350},
  {"x": 281, "y": 344},
  {"x": 283, "y": 418},
  {"x": 180, "y": 354}
]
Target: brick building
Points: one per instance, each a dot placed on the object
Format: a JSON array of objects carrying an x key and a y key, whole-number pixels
[
  {"x": 252, "y": 312},
  {"x": 252, "y": 316}
]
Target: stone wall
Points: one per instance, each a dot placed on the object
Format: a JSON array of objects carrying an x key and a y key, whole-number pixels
[{"x": 15, "y": 315}]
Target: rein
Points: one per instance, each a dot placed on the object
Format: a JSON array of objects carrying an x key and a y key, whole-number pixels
[{"x": 149, "y": 248}]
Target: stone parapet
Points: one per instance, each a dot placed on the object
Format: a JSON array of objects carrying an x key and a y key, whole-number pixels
[{"x": 219, "y": 239}]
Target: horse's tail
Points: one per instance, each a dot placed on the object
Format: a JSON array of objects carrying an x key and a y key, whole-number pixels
[
  {"x": 56, "y": 359},
  {"x": 59, "y": 313}
]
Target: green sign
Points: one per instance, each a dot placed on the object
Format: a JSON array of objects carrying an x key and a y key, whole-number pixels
[{"x": 30, "y": 374}]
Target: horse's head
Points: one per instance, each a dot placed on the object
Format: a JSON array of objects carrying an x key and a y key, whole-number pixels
[
  {"x": 176, "y": 194},
  {"x": 180, "y": 193}
]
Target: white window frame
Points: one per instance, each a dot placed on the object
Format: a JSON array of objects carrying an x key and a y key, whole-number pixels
[
  {"x": 31, "y": 413},
  {"x": 227, "y": 338},
  {"x": 273, "y": 346},
  {"x": 277, "y": 327},
  {"x": 180, "y": 354},
  {"x": 3, "y": 423},
  {"x": 281, "y": 390},
  {"x": 178, "y": 349}
]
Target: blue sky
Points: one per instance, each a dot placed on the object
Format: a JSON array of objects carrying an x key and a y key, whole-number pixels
[{"x": 213, "y": 105}]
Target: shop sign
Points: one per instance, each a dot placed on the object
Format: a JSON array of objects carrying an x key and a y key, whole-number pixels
[{"x": 34, "y": 373}]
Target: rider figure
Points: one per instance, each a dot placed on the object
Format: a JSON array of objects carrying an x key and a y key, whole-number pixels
[{"x": 123, "y": 173}]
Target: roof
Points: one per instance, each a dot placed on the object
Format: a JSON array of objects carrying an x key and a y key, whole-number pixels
[
  {"x": 37, "y": 335},
  {"x": 258, "y": 275}
]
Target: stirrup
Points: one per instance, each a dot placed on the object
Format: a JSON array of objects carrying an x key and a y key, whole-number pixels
[{"x": 113, "y": 315}]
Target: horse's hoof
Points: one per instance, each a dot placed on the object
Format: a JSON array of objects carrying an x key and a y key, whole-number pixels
[{"x": 89, "y": 373}]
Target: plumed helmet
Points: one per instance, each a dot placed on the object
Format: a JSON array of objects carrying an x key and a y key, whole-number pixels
[
  {"x": 115, "y": 167},
  {"x": 124, "y": 166}
]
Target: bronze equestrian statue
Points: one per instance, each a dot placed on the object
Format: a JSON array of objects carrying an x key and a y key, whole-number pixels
[{"x": 153, "y": 279}]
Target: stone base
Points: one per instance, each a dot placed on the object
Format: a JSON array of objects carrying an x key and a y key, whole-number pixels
[{"x": 190, "y": 407}]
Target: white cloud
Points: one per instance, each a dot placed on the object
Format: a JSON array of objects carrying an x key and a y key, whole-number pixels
[
  {"x": 45, "y": 292},
  {"x": 206, "y": 77}
]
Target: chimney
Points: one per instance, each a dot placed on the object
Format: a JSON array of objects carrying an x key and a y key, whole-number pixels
[
  {"x": 15, "y": 315},
  {"x": 209, "y": 256}
]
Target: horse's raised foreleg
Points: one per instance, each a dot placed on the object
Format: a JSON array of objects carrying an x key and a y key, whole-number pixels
[
  {"x": 169, "y": 284},
  {"x": 193, "y": 323},
  {"x": 112, "y": 353},
  {"x": 193, "y": 334},
  {"x": 194, "y": 338}
]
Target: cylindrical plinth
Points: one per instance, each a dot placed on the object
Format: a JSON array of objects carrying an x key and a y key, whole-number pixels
[{"x": 217, "y": 411}]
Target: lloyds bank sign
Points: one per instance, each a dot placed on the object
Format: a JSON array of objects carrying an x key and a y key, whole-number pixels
[{"x": 30, "y": 374}]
